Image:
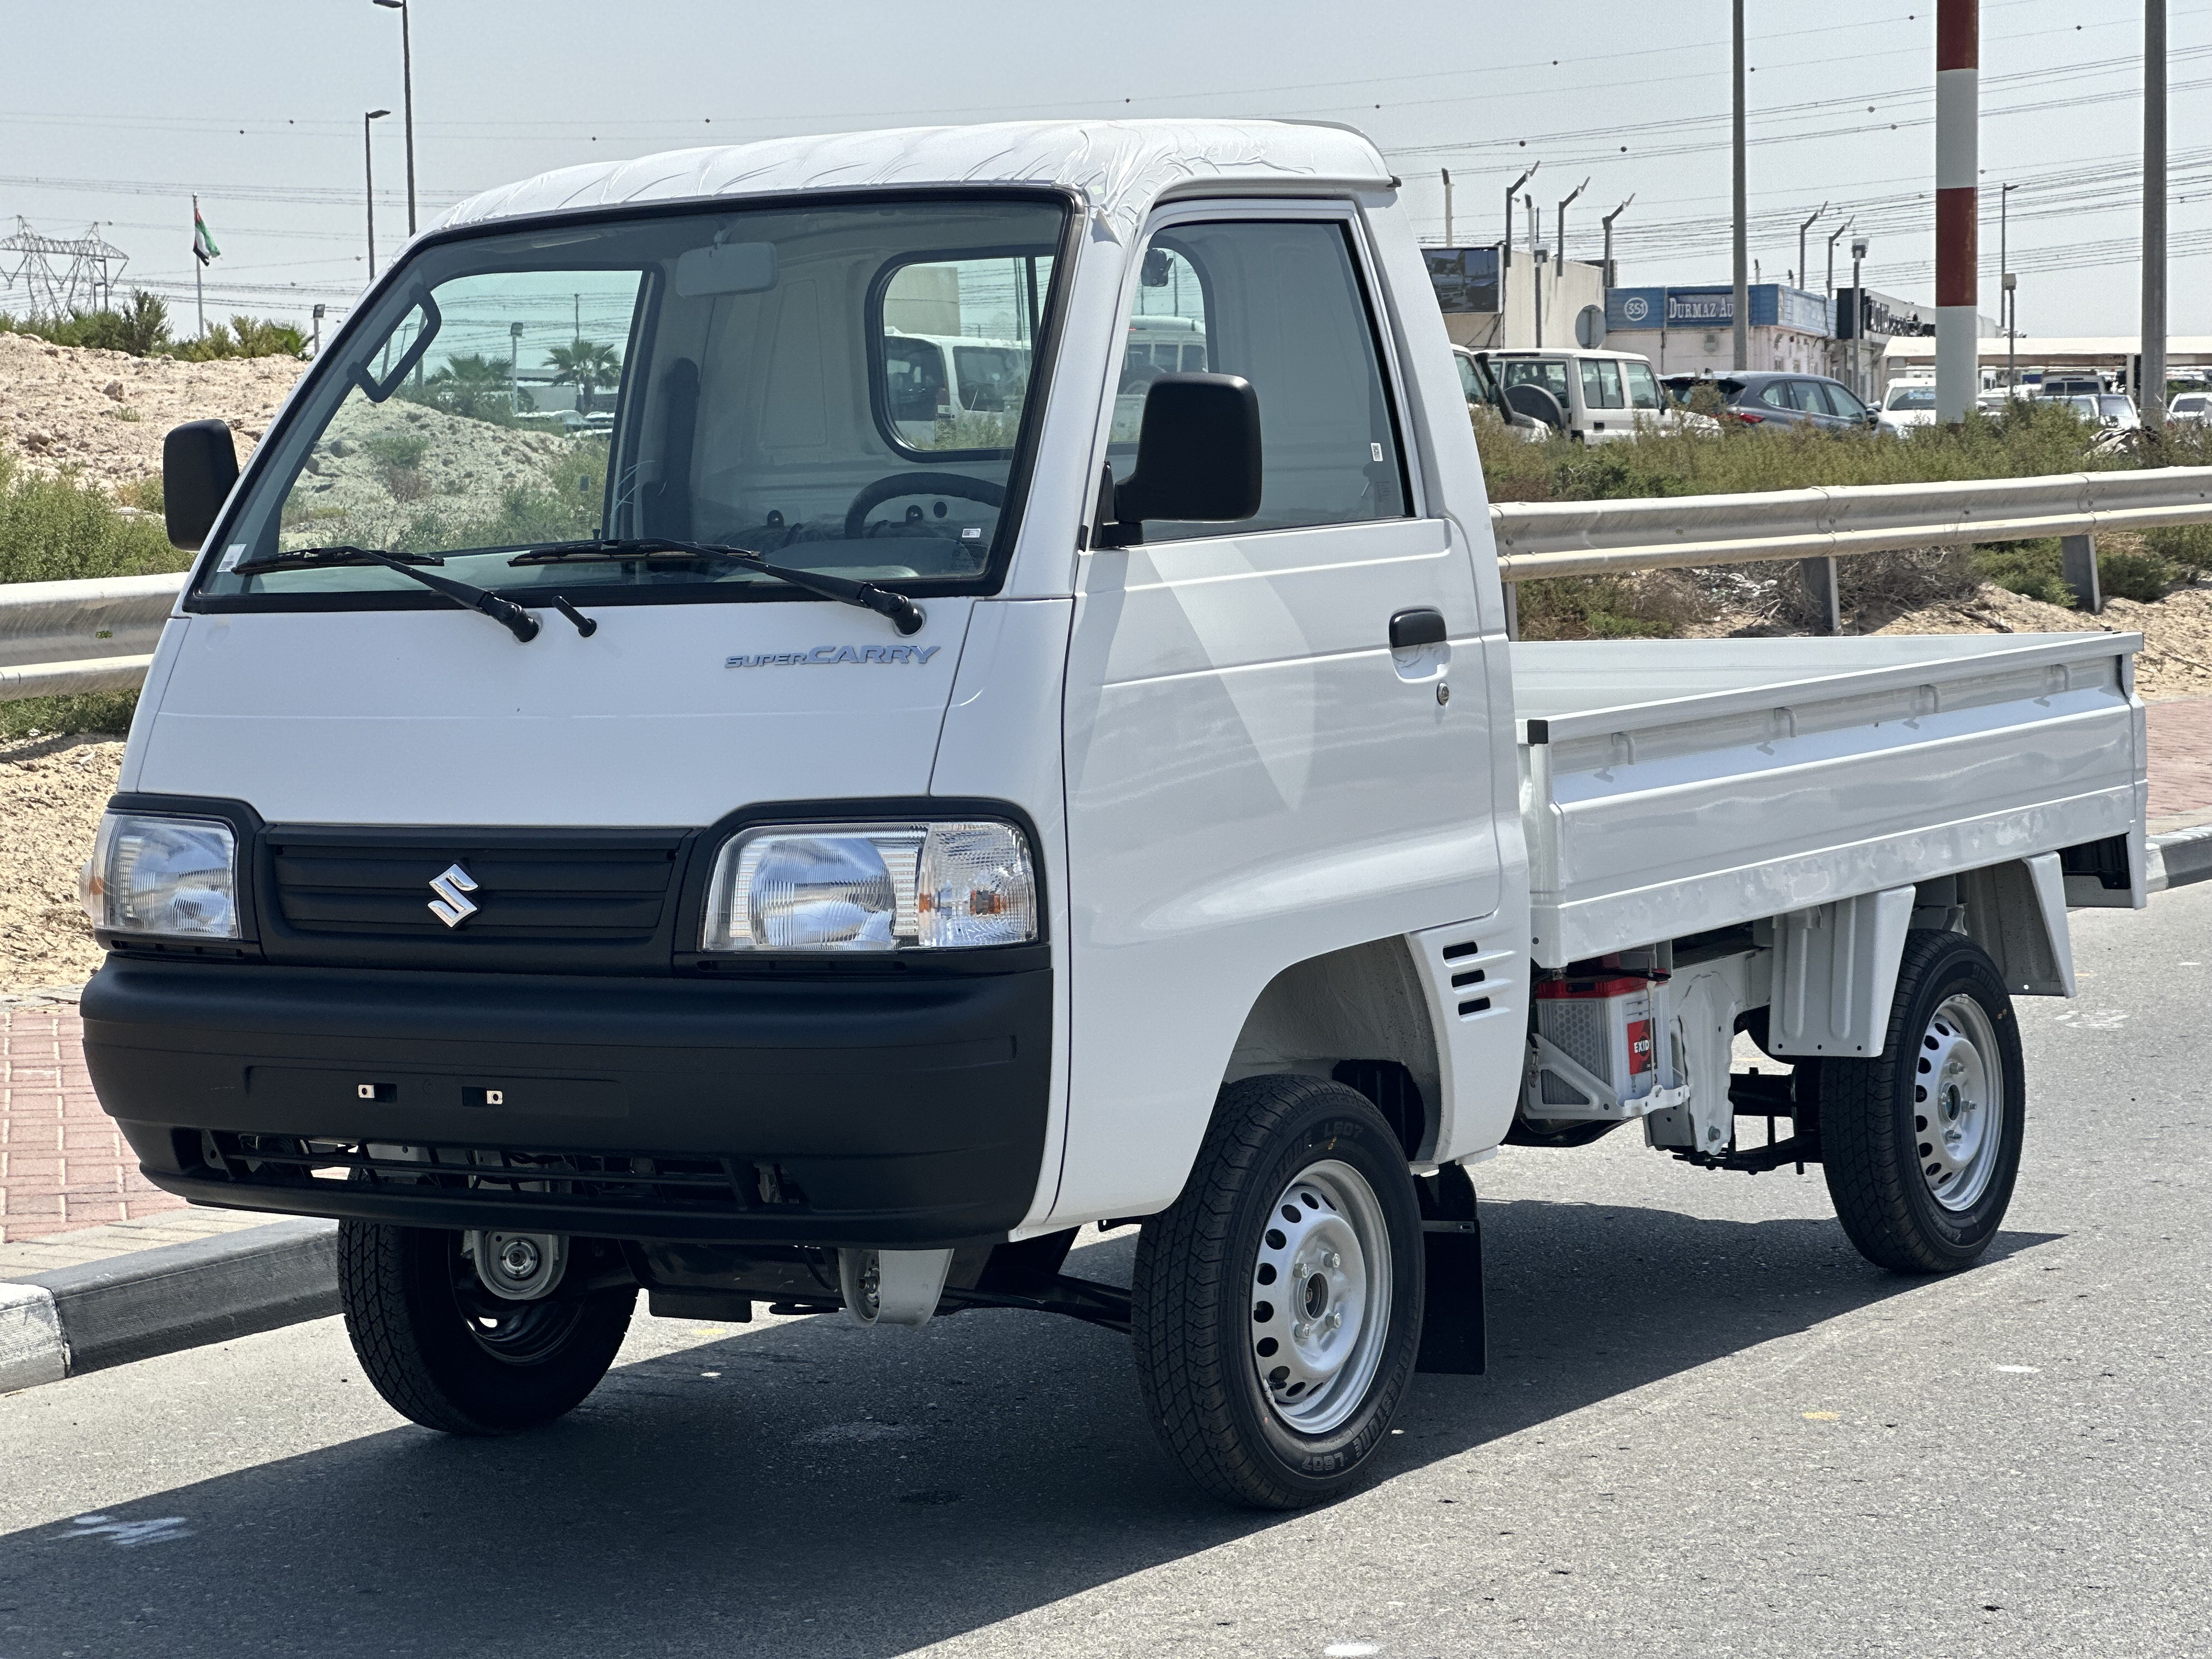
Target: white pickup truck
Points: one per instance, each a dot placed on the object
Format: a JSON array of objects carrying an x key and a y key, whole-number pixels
[{"x": 773, "y": 851}]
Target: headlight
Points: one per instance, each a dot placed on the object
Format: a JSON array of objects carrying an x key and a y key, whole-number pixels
[
  {"x": 872, "y": 887},
  {"x": 150, "y": 874}
]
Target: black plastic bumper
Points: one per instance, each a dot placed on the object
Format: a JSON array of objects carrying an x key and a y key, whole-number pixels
[{"x": 889, "y": 1111}]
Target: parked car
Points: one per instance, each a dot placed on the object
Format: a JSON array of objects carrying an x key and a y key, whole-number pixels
[
  {"x": 1774, "y": 399},
  {"x": 1907, "y": 404},
  {"x": 837, "y": 870},
  {"x": 2192, "y": 406},
  {"x": 2113, "y": 411},
  {"x": 2072, "y": 386},
  {"x": 1480, "y": 387},
  {"x": 1600, "y": 397}
]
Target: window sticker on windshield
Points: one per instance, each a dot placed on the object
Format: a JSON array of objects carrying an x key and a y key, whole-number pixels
[{"x": 231, "y": 555}]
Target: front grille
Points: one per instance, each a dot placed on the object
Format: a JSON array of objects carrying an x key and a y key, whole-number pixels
[
  {"x": 508, "y": 1175},
  {"x": 543, "y": 899}
]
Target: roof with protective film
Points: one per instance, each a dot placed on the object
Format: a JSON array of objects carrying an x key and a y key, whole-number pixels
[{"x": 1120, "y": 166}]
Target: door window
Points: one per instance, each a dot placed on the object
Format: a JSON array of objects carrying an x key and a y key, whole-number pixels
[
  {"x": 1643, "y": 385},
  {"x": 1806, "y": 395},
  {"x": 1776, "y": 395},
  {"x": 1602, "y": 383},
  {"x": 1281, "y": 304},
  {"x": 1844, "y": 403}
]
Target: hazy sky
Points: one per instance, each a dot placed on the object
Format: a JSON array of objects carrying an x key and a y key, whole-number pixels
[{"x": 117, "y": 116}]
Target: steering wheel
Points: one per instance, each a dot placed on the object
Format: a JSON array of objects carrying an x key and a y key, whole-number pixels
[{"x": 918, "y": 484}]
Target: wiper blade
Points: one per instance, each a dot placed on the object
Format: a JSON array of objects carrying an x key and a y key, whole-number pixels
[
  {"x": 506, "y": 613},
  {"x": 903, "y": 612}
]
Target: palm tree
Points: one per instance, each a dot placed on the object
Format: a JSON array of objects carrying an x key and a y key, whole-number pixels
[
  {"x": 473, "y": 386},
  {"x": 588, "y": 366}
]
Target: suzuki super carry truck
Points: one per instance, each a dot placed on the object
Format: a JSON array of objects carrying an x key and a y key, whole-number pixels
[{"x": 823, "y": 840}]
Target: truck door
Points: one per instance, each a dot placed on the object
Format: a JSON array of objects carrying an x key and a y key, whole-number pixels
[{"x": 1254, "y": 775}]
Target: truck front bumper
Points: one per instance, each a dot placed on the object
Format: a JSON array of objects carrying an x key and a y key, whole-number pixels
[{"x": 898, "y": 1111}]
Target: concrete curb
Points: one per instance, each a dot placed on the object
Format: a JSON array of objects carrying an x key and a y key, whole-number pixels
[
  {"x": 153, "y": 1301},
  {"x": 2180, "y": 858}
]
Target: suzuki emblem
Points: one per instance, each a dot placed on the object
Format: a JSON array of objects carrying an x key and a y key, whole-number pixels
[{"x": 452, "y": 885}]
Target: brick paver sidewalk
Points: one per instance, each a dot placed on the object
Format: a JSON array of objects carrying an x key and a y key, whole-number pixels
[
  {"x": 62, "y": 1164},
  {"x": 2181, "y": 756}
]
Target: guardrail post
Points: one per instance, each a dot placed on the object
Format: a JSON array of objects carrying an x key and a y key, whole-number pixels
[
  {"x": 1512, "y": 611},
  {"x": 2077, "y": 563},
  {"x": 1820, "y": 591}
]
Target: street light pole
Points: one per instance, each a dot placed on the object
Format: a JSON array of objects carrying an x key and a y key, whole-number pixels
[
  {"x": 1834, "y": 320},
  {"x": 1448, "y": 204},
  {"x": 2151, "y": 394},
  {"x": 368, "y": 175},
  {"x": 1742, "y": 296},
  {"x": 1804, "y": 271},
  {"x": 1608, "y": 222},
  {"x": 407, "y": 96},
  {"x": 1560, "y": 238},
  {"x": 1505, "y": 257},
  {"x": 2005, "y": 282},
  {"x": 1859, "y": 308}
]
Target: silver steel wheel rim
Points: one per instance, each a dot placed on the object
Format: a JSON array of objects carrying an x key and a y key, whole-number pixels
[
  {"x": 1321, "y": 1297},
  {"x": 1958, "y": 1103}
]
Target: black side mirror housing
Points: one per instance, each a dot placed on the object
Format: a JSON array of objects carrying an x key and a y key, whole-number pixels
[
  {"x": 199, "y": 463},
  {"x": 1198, "y": 456}
]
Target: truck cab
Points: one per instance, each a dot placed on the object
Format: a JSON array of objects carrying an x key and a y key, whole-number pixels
[{"x": 821, "y": 843}]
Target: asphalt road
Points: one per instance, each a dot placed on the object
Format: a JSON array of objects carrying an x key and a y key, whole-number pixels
[{"x": 1708, "y": 1428}]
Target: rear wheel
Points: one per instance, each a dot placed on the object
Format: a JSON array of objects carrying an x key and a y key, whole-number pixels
[
  {"x": 443, "y": 1350},
  {"x": 1922, "y": 1145},
  {"x": 1277, "y": 1305}
]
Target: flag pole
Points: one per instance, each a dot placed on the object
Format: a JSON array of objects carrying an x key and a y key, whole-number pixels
[{"x": 199, "y": 271}]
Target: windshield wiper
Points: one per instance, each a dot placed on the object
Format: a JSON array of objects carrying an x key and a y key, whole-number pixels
[
  {"x": 903, "y": 612},
  {"x": 506, "y": 613}
]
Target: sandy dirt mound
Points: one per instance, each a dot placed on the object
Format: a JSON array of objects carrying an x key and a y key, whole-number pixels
[
  {"x": 380, "y": 467},
  {"x": 104, "y": 412},
  {"x": 51, "y": 793},
  {"x": 2176, "y": 658}
]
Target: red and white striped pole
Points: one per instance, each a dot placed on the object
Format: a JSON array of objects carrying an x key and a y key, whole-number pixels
[{"x": 1957, "y": 100}]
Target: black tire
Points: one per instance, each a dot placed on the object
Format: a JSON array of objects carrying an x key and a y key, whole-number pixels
[
  {"x": 448, "y": 1353},
  {"x": 1193, "y": 1297},
  {"x": 1874, "y": 1129}
]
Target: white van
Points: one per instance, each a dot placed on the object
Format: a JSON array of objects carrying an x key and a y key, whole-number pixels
[{"x": 1595, "y": 397}]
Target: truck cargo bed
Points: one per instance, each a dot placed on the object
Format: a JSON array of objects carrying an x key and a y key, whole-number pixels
[{"x": 1672, "y": 786}]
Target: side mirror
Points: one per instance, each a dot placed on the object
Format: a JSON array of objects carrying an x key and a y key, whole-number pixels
[
  {"x": 1527, "y": 398},
  {"x": 1198, "y": 455},
  {"x": 199, "y": 463}
]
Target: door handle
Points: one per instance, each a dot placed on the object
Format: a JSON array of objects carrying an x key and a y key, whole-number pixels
[{"x": 1409, "y": 628}]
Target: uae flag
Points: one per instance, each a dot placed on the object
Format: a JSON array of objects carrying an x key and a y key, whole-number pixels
[{"x": 203, "y": 247}]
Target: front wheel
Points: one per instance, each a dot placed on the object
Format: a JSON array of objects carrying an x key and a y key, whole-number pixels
[
  {"x": 1922, "y": 1144},
  {"x": 1276, "y": 1306},
  {"x": 444, "y": 1351}
]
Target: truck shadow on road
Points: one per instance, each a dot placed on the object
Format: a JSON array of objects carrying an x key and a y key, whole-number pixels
[{"x": 815, "y": 1489}]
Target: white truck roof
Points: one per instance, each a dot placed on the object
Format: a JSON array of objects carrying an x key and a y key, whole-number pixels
[{"x": 1120, "y": 167}]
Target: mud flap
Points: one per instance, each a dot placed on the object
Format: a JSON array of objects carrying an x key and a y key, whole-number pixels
[{"x": 1454, "y": 1340}]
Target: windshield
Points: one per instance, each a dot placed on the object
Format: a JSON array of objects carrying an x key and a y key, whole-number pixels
[
  {"x": 1910, "y": 397},
  {"x": 842, "y": 388},
  {"x": 2118, "y": 408}
]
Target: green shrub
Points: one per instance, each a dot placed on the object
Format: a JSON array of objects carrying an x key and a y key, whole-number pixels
[
  {"x": 2142, "y": 577},
  {"x": 59, "y": 529},
  {"x": 2033, "y": 568},
  {"x": 1658, "y": 605},
  {"x": 2188, "y": 547},
  {"x": 141, "y": 328},
  {"x": 94, "y": 711}
]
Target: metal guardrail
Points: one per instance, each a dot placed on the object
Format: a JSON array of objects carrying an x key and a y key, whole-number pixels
[
  {"x": 1536, "y": 539},
  {"x": 66, "y": 637},
  {"x": 62, "y": 638}
]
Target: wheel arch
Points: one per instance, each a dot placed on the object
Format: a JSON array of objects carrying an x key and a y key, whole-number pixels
[{"x": 1357, "y": 1016}]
